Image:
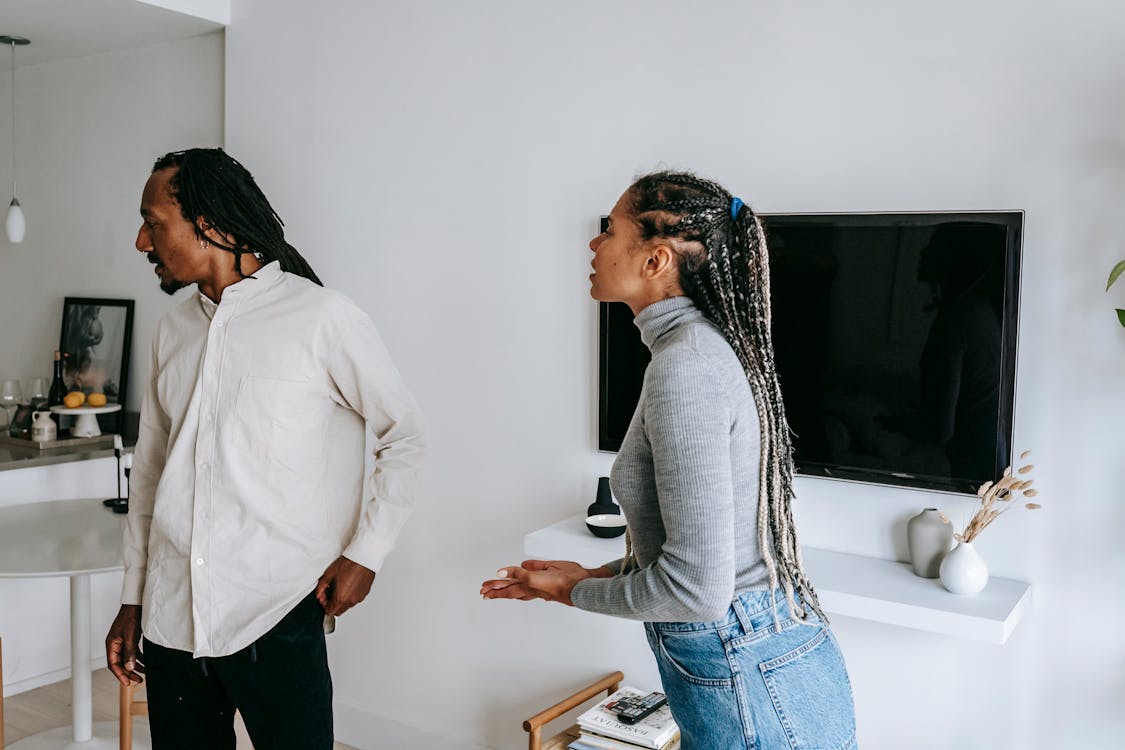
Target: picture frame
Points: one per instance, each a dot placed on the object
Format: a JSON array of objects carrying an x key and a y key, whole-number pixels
[{"x": 96, "y": 340}]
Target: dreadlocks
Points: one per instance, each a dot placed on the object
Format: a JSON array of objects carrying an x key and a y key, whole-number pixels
[
  {"x": 211, "y": 184},
  {"x": 724, "y": 269}
]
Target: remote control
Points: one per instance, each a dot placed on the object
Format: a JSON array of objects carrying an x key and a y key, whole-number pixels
[{"x": 636, "y": 709}]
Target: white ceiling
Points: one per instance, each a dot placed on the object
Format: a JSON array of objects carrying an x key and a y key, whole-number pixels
[{"x": 60, "y": 29}]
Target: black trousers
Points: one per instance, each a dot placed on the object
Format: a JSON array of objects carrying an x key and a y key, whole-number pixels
[{"x": 280, "y": 685}]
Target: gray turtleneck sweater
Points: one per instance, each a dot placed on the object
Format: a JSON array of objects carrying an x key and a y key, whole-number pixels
[{"x": 686, "y": 478}]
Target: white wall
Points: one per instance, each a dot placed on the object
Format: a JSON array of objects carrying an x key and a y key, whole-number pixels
[
  {"x": 88, "y": 131},
  {"x": 445, "y": 163}
]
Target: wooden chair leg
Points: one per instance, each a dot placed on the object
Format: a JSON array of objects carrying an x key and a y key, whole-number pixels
[{"x": 125, "y": 716}]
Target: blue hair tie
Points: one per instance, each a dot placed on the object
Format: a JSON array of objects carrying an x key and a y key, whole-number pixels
[{"x": 736, "y": 205}]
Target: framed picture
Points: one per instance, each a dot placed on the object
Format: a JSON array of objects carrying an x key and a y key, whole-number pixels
[{"x": 96, "y": 340}]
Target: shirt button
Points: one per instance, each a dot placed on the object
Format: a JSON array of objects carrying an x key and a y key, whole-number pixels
[
  {"x": 203, "y": 467},
  {"x": 199, "y": 561},
  {"x": 219, "y": 323}
]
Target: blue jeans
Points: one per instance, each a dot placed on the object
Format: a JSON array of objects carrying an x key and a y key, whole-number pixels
[{"x": 744, "y": 683}]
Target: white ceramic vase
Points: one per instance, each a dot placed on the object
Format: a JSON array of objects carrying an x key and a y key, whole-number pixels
[
  {"x": 964, "y": 571},
  {"x": 929, "y": 536}
]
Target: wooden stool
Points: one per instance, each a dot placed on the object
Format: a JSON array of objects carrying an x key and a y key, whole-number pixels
[
  {"x": 534, "y": 725},
  {"x": 128, "y": 709}
]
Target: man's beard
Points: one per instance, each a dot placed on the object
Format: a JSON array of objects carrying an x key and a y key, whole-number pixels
[
  {"x": 168, "y": 286},
  {"x": 171, "y": 286}
]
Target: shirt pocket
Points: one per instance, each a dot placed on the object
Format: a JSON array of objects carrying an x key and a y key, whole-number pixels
[{"x": 281, "y": 424}]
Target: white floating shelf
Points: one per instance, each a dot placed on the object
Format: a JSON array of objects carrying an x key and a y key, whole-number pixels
[{"x": 867, "y": 588}]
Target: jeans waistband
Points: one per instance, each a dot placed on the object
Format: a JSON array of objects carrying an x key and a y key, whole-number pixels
[{"x": 745, "y": 609}]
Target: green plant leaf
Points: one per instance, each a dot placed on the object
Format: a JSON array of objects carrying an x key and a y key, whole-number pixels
[
  {"x": 1117, "y": 271},
  {"x": 1121, "y": 317}
]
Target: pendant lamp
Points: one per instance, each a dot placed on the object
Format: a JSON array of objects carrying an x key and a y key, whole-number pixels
[{"x": 15, "y": 225}]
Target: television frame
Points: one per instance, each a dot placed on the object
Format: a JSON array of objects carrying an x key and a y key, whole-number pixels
[{"x": 1012, "y": 220}]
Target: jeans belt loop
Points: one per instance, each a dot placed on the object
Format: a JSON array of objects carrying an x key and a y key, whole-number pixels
[{"x": 743, "y": 617}]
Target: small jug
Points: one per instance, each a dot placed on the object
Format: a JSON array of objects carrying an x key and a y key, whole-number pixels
[{"x": 43, "y": 427}]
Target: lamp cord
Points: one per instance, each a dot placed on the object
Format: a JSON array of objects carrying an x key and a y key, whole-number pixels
[{"x": 12, "y": 44}]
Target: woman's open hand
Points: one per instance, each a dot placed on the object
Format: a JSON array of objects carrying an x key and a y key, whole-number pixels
[{"x": 551, "y": 580}]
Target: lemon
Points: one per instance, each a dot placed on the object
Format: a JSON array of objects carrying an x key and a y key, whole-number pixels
[
  {"x": 74, "y": 399},
  {"x": 96, "y": 399}
]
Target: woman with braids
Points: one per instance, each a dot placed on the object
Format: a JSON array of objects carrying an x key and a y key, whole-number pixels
[
  {"x": 249, "y": 520},
  {"x": 705, "y": 479}
]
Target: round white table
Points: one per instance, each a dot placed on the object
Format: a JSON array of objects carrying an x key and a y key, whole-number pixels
[{"x": 73, "y": 538}]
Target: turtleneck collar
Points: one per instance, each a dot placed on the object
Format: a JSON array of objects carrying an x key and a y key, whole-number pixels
[{"x": 661, "y": 317}]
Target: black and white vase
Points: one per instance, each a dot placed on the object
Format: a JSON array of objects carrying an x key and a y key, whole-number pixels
[{"x": 603, "y": 516}]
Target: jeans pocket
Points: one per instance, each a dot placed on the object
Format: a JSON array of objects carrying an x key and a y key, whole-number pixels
[
  {"x": 812, "y": 696},
  {"x": 699, "y": 657}
]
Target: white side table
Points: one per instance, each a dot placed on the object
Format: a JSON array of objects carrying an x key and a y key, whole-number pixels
[{"x": 73, "y": 538}]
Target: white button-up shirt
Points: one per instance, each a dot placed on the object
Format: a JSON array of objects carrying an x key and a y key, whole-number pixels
[{"x": 248, "y": 473}]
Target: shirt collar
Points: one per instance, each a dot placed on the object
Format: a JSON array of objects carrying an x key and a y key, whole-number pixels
[{"x": 253, "y": 285}]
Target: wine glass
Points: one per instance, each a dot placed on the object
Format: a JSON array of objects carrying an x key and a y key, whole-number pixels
[
  {"x": 10, "y": 397},
  {"x": 37, "y": 388}
]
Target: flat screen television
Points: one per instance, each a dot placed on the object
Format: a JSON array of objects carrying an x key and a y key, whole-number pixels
[{"x": 895, "y": 343}]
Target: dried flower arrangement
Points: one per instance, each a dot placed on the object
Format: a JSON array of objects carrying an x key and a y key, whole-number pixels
[{"x": 996, "y": 499}]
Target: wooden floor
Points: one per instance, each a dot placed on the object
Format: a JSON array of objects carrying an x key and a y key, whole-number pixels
[{"x": 49, "y": 707}]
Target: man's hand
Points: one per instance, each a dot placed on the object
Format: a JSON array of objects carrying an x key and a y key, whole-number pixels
[
  {"x": 123, "y": 645},
  {"x": 552, "y": 580},
  {"x": 344, "y": 585}
]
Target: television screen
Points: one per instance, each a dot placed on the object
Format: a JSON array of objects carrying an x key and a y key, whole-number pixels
[{"x": 895, "y": 339}]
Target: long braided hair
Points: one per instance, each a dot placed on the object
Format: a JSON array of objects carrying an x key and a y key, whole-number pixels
[
  {"x": 724, "y": 269},
  {"x": 210, "y": 183}
]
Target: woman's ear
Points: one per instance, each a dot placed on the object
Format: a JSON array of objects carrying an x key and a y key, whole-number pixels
[{"x": 661, "y": 259}]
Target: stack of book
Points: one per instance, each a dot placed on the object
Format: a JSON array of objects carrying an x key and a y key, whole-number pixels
[{"x": 600, "y": 729}]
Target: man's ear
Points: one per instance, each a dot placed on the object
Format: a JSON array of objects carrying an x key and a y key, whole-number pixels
[
  {"x": 204, "y": 228},
  {"x": 212, "y": 234}
]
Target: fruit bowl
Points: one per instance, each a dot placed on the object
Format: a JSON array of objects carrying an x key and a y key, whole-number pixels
[{"x": 87, "y": 423}]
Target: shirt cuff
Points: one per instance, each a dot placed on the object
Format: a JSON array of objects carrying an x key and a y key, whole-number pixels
[
  {"x": 133, "y": 588},
  {"x": 615, "y": 565},
  {"x": 365, "y": 555},
  {"x": 585, "y": 594}
]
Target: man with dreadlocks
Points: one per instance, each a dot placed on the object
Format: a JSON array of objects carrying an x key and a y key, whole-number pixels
[
  {"x": 248, "y": 526},
  {"x": 704, "y": 477}
]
